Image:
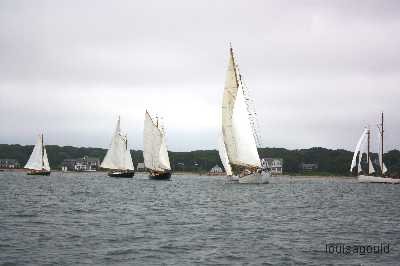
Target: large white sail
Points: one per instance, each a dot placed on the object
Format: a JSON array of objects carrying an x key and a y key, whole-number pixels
[
  {"x": 38, "y": 159},
  {"x": 155, "y": 151},
  {"x": 223, "y": 156},
  {"x": 118, "y": 156},
  {"x": 236, "y": 126},
  {"x": 357, "y": 149}
]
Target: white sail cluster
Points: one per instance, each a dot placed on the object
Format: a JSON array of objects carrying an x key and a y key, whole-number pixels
[
  {"x": 360, "y": 150},
  {"x": 118, "y": 156},
  {"x": 38, "y": 159},
  {"x": 237, "y": 129},
  {"x": 155, "y": 151}
]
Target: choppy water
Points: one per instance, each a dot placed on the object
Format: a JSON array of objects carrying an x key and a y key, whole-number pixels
[{"x": 94, "y": 219}]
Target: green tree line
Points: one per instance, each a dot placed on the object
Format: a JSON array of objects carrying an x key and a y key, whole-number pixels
[{"x": 329, "y": 161}]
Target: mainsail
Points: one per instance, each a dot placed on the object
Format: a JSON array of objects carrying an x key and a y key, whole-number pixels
[
  {"x": 223, "y": 156},
  {"x": 118, "y": 156},
  {"x": 237, "y": 129},
  {"x": 38, "y": 159},
  {"x": 155, "y": 151},
  {"x": 357, "y": 149}
]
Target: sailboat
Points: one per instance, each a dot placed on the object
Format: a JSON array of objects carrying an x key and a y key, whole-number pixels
[
  {"x": 155, "y": 151},
  {"x": 118, "y": 157},
  {"x": 363, "y": 146},
  {"x": 38, "y": 163},
  {"x": 238, "y": 129}
]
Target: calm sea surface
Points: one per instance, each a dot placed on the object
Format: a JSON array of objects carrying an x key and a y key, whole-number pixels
[{"x": 93, "y": 219}]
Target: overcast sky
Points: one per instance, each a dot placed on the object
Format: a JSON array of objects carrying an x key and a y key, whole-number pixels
[{"x": 319, "y": 71}]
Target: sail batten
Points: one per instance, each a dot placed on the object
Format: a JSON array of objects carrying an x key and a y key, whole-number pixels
[{"x": 155, "y": 152}]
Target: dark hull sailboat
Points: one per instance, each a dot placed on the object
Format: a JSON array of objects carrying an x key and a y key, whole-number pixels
[
  {"x": 118, "y": 157},
  {"x": 121, "y": 174},
  {"x": 44, "y": 172},
  {"x": 160, "y": 175}
]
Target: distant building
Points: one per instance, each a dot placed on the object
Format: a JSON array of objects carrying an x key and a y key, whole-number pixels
[
  {"x": 309, "y": 166},
  {"x": 82, "y": 164},
  {"x": 141, "y": 167},
  {"x": 275, "y": 164},
  {"x": 216, "y": 170},
  {"x": 9, "y": 163}
]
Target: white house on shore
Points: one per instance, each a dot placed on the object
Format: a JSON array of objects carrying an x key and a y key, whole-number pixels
[{"x": 275, "y": 164}]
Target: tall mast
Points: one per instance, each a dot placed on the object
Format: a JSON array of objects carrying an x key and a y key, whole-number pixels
[
  {"x": 369, "y": 139},
  {"x": 382, "y": 142},
  {"x": 42, "y": 153}
]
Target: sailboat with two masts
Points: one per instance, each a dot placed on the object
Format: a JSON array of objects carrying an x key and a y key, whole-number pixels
[
  {"x": 118, "y": 157},
  {"x": 364, "y": 146},
  {"x": 38, "y": 163},
  {"x": 238, "y": 131},
  {"x": 155, "y": 151}
]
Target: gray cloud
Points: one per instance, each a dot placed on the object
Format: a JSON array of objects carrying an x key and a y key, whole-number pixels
[{"x": 319, "y": 70}]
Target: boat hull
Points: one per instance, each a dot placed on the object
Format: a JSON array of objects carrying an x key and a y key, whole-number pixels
[
  {"x": 45, "y": 173},
  {"x": 121, "y": 174},
  {"x": 255, "y": 178},
  {"x": 377, "y": 179},
  {"x": 232, "y": 178},
  {"x": 160, "y": 175}
]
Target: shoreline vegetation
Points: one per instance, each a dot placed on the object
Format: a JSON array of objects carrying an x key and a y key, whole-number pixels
[{"x": 330, "y": 162}]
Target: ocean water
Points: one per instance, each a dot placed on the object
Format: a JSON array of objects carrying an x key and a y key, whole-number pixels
[{"x": 89, "y": 218}]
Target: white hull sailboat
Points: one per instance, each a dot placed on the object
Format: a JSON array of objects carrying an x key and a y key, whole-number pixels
[
  {"x": 38, "y": 163},
  {"x": 368, "y": 175},
  {"x": 377, "y": 179},
  {"x": 155, "y": 152},
  {"x": 118, "y": 157},
  {"x": 239, "y": 132}
]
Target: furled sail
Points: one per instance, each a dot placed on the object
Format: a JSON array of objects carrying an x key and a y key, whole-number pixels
[
  {"x": 155, "y": 151},
  {"x": 38, "y": 159},
  {"x": 118, "y": 156},
  {"x": 223, "y": 156},
  {"x": 236, "y": 126},
  {"x": 357, "y": 149}
]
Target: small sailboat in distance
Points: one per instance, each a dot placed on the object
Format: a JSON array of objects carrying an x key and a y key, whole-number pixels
[
  {"x": 155, "y": 151},
  {"x": 118, "y": 157},
  {"x": 238, "y": 129},
  {"x": 38, "y": 163},
  {"x": 364, "y": 146}
]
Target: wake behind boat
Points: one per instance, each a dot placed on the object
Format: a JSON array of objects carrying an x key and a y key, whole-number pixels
[
  {"x": 38, "y": 163},
  {"x": 238, "y": 131},
  {"x": 118, "y": 157},
  {"x": 155, "y": 151},
  {"x": 363, "y": 146}
]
